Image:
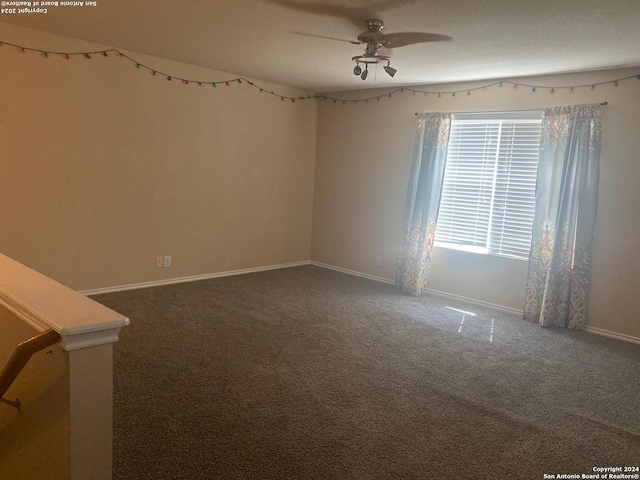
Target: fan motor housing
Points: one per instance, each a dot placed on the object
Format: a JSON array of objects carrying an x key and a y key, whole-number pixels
[
  {"x": 372, "y": 35},
  {"x": 374, "y": 25}
]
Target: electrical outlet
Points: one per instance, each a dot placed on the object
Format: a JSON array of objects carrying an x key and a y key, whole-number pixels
[
  {"x": 167, "y": 260},
  {"x": 159, "y": 261},
  {"x": 378, "y": 261}
]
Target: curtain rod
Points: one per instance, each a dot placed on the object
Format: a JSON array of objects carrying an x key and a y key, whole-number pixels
[{"x": 526, "y": 110}]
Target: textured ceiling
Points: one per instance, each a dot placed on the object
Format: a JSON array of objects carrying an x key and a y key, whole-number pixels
[{"x": 281, "y": 40}]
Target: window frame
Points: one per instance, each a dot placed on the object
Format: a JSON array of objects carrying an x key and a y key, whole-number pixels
[{"x": 528, "y": 116}]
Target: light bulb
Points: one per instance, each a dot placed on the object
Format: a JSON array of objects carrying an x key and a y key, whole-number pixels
[{"x": 390, "y": 70}]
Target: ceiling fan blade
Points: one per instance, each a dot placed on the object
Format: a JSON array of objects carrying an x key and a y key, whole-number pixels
[
  {"x": 401, "y": 39},
  {"x": 324, "y": 37}
]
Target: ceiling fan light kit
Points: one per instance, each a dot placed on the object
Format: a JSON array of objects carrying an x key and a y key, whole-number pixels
[{"x": 374, "y": 41}]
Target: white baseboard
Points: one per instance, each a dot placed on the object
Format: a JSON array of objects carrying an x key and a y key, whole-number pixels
[
  {"x": 473, "y": 300},
  {"x": 435, "y": 292},
  {"x": 193, "y": 278},
  {"x": 353, "y": 272},
  {"x": 617, "y": 336}
]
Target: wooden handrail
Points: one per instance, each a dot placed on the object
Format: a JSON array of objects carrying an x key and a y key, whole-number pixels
[{"x": 23, "y": 352}]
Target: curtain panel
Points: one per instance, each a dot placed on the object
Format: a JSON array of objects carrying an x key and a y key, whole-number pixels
[
  {"x": 422, "y": 201},
  {"x": 565, "y": 214}
]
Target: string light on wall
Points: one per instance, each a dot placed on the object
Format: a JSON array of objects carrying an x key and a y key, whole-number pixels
[
  {"x": 47, "y": 54},
  {"x": 154, "y": 72},
  {"x": 453, "y": 93}
]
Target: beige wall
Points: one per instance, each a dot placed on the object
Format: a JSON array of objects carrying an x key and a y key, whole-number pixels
[
  {"x": 104, "y": 167},
  {"x": 362, "y": 169}
]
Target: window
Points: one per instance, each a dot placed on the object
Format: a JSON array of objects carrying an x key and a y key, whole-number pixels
[{"x": 488, "y": 194}]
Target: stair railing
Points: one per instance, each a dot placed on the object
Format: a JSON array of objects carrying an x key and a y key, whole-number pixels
[{"x": 23, "y": 352}]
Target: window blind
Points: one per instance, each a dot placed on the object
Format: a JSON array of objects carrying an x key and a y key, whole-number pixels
[{"x": 488, "y": 193}]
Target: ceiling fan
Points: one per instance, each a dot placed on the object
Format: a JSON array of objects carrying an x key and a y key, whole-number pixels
[{"x": 374, "y": 40}]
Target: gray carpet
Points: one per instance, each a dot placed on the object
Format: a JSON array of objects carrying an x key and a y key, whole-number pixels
[{"x": 305, "y": 373}]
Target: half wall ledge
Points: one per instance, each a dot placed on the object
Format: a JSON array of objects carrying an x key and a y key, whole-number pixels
[{"x": 44, "y": 303}]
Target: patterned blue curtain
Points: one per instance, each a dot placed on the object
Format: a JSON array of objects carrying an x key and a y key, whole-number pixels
[
  {"x": 423, "y": 201},
  {"x": 565, "y": 214}
]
